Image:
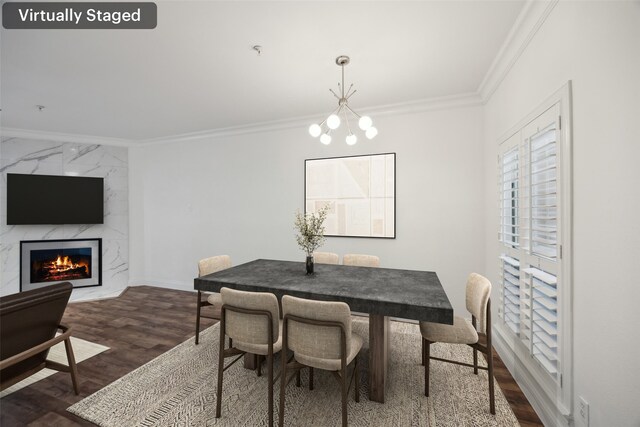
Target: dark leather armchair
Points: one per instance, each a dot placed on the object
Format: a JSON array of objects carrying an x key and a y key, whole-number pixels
[{"x": 28, "y": 325}]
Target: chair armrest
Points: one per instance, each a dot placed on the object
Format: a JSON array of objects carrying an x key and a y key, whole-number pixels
[{"x": 10, "y": 361}]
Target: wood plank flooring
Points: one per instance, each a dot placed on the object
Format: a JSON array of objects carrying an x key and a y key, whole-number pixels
[{"x": 138, "y": 326}]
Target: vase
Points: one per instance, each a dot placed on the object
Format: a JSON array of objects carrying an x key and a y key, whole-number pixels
[{"x": 309, "y": 265}]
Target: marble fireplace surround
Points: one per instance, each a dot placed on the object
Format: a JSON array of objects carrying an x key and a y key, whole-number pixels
[{"x": 43, "y": 157}]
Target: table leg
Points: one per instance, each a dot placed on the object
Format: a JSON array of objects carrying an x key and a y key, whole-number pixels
[{"x": 378, "y": 356}]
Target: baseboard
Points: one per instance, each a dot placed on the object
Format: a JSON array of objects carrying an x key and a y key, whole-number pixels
[
  {"x": 180, "y": 286},
  {"x": 541, "y": 403}
]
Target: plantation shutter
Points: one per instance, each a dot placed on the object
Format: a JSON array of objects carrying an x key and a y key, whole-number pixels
[
  {"x": 543, "y": 286},
  {"x": 509, "y": 198},
  {"x": 543, "y": 179},
  {"x": 529, "y": 235}
]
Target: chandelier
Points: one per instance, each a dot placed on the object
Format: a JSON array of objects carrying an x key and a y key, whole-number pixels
[{"x": 332, "y": 122}]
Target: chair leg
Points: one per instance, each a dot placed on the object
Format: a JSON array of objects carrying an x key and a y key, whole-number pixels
[
  {"x": 344, "y": 396},
  {"x": 357, "y": 384},
  {"x": 298, "y": 378},
  {"x": 427, "y": 360},
  {"x": 310, "y": 378},
  {"x": 220, "y": 371},
  {"x": 492, "y": 403},
  {"x": 270, "y": 375},
  {"x": 423, "y": 349},
  {"x": 258, "y": 365},
  {"x": 198, "y": 305},
  {"x": 475, "y": 361},
  {"x": 283, "y": 384},
  {"x": 71, "y": 360}
]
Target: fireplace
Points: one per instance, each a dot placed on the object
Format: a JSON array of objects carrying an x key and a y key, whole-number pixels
[{"x": 45, "y": 262}]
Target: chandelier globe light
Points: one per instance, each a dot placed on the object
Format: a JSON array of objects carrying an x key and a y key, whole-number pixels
[{"x": 333, "y": 121}]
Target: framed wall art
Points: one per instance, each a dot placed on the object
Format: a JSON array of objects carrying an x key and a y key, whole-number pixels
[{"x": 360, "y": 192}]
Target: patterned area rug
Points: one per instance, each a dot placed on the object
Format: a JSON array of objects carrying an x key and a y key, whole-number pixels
[
  {"x": 82, "y": 350},
  {"x": 178, "y": 388}
]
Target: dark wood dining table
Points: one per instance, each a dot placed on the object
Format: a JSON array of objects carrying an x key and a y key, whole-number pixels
[{"x": 380, "y": 292}]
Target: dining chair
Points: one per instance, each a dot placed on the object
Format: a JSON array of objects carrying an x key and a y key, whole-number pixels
[
  {"x": 326, "y": 258},
  {"x": 319, "y": 334},
  {"x": 359, "y": 260},
  {"x": 478, "y": 337},
  {"x": 208, "y": 266},
  {"x": 251, "y": 320}
]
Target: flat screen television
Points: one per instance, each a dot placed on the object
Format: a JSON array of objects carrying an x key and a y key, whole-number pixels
[{"x": 49, "y": 199}]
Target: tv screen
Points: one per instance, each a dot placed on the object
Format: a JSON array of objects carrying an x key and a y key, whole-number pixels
[{"x": 48, "y": 199}]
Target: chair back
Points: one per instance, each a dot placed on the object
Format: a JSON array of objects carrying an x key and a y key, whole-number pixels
[
  {"x": 213, "y": 264},
  {"x": 325, "y": 258},
  {"x": 317, "y": 341},
  {"x": 28, "y": 319},
  {"x": 250, "y": 328},
  {"x": 359, "y": 260},
  {"x": 477, "y": 294}
]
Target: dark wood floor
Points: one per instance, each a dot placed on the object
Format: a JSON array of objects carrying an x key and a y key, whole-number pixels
[{"x": 141, "y": 324}]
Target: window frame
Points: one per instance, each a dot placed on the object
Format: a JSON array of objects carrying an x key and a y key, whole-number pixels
[{"x": 561, "y": 391}]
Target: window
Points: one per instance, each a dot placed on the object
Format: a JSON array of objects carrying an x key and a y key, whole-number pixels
[{"x": 534, "y": 284}]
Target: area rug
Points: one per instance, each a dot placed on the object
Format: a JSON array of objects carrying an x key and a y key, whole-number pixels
[
  {"x": 178, "y": 389},
  {"x": 82, "y": 350}
]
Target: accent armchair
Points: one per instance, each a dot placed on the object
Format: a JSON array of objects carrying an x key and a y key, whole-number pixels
[{"x": 28, "y": 324}]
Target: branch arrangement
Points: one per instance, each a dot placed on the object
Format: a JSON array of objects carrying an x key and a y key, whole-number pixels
[{"x": 310, "y": 230}]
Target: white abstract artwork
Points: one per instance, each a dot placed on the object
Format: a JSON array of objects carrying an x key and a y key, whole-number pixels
[{"x": 360, "y": 193}]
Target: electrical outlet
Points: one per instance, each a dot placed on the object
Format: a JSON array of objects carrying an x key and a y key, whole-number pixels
[{"x": 583, "y": 411}]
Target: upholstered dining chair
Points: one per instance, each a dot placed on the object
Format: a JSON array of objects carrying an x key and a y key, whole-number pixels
[
  {"x": 359, "y": 260},
  {"x": 319, "y": 334},
  {"x": 251, "y": 320},
  {"x": 208, "y": 266},
  {"x": 28, "y": 325},
  {"x": 326, "y": 258},
  {"x": 478, "y": 304}
]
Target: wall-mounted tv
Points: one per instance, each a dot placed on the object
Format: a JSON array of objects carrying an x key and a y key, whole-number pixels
[{"x": 49, "y": 199}]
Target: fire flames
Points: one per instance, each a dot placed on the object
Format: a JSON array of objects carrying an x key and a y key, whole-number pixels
[
  {"x": 54, "y": 265},
  {"x": 63, "y": 264}
]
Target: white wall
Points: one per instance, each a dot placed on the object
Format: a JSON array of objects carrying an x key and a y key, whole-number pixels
[
  {"x": 238, "y": 195},
  {"x": 597, "y": 46}
]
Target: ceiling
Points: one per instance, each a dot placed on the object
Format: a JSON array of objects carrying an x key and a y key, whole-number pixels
[{"x": 196, "y": 71}]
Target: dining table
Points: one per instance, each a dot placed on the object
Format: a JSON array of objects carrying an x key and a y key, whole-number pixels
[{"x": 382, "y": 293}]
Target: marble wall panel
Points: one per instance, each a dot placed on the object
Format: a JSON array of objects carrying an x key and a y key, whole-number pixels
[{"x": 30, "y": 156}]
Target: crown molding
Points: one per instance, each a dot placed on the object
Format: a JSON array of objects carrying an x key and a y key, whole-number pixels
[
  {"x": 533, "y": 15},
  {"x": 418, "y": 106},
  {"x": 63, "y": 137},
  {"x": 410, "y": 107}
]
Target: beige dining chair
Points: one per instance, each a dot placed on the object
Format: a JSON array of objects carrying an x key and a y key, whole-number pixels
[
  {"x": 478, "y": 303},
  {"x": 251, "y": 320},
  {"x": 319, "y": 334},
  {"x": 326, "y": 258},
  {"x": 359, "y": 260},
  {"x": 208, "y": 266}
]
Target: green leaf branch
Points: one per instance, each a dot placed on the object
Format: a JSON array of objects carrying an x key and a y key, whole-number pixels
[{"x": 310, "y": 228}]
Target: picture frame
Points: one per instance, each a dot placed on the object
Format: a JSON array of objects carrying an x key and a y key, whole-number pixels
[{"x": 360, "y": 191}]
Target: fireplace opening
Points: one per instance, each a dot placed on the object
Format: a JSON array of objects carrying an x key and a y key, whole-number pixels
[
  {"x": 45, "y": 262},
  {"x": 60, "y": 265}
]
